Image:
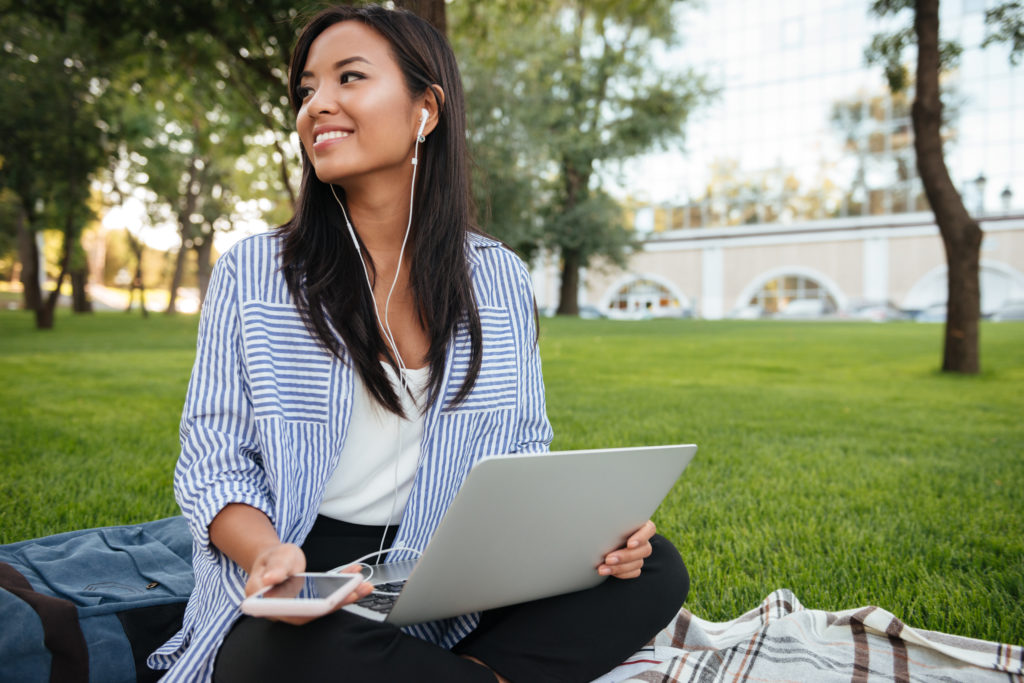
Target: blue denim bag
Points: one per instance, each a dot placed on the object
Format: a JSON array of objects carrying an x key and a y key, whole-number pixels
[{"x": 90, "y": 605}]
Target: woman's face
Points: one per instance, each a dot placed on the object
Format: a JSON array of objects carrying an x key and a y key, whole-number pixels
[{"x": 357, "y": 120}]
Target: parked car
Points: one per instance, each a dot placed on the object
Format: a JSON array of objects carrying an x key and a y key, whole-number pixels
[
  {"x": 750, "y": 312},
  {"x": 875, "y": 311},
  {"x": 803, "y": 309},
  {"x": 1012, "y": 310}
]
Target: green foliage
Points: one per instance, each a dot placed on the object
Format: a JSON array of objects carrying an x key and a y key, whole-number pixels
[
  {"x": 558, "y": 92},
  {"x": 9, "y": 210},
  {"x": 833, "y": 459},
  {"x": 188, "y": 101},
  {"x": 592, "y": 226},
  {"x": 1006, "y": 22},
  {"x": 118, "y": 256},
  {"x": 168, "y": 96},
  {"x": 887, "y": 49},
  {"x": 48, "y": 138}
]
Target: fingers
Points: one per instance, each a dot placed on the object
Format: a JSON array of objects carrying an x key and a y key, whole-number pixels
[
  {"x": 622, "y": 565},
  {"x": 363, "y": 590},
  {"x": 627, "y": 562},
  {"x": 352, "y": 569},
  {"x": 274, "y": 565},
  {"x": 642, "y": 535},
  {"x": 625, "y": 570}
]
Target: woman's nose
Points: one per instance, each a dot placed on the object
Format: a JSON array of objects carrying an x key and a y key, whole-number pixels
[{"x": 322, "y": 101}]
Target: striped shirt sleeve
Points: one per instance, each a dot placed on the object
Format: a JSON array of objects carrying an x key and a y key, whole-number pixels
[
  {"x": 220, "y": 462},
  {"x": 532, "y": 431}
]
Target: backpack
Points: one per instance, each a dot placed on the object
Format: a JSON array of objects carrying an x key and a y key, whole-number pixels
[{"x": 91, "y": 605}]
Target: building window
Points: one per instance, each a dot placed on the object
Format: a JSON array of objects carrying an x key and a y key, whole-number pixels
[
  {"x": 643, "y": 297},
  {"x": 775, "y": 295}
]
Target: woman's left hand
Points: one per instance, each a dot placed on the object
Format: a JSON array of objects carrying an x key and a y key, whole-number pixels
[{"x": 626, "y": 563}]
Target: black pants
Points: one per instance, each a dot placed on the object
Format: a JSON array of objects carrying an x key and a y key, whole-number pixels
[{"x": 572, "y": 637}]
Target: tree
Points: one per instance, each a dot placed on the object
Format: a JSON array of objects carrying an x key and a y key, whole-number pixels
[
  {"x": 1008, "y": 22},
  {"x": 213, "y": 75},
  {"x": 576, "y": 86},
  {"x": 48, "y": 140},
  {"x": 175, "y": 124},
  {"x": 961, "y": 234},
  {"x": 9, "y": 213},
  {"x": 431, "y": 10}
]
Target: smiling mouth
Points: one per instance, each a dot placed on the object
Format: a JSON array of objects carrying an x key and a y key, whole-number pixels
[{"x": 330, "y": 135}]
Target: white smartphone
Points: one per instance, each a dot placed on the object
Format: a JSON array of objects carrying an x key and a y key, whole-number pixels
[{"x": 304, "y": 595}]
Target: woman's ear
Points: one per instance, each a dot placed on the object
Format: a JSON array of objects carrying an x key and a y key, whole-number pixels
[{"x": 433, "y": 102}]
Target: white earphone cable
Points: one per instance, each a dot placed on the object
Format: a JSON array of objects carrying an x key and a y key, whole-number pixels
[{"x": 385, "y": 323}]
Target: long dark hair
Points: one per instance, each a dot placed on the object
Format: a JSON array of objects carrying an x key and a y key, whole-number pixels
[{"x": 320, "y": 262}]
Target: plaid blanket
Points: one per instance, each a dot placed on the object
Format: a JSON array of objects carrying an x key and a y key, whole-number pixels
[{"x": 783, "y": 641}]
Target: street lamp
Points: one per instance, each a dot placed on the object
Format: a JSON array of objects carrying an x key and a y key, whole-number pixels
[
  {"x": 1007, "y": 198},
  {"x": 979, "y": 183}
]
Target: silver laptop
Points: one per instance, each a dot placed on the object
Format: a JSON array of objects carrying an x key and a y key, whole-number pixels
[{"x": 524, "y": 527}]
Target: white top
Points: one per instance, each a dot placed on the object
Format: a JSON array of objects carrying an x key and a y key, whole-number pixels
[{"x": 380, "y": 455}]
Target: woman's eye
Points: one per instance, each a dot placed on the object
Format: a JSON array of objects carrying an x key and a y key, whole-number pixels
[
  {"x": 350, "y": 76},
  {"x": 303, "y": 92}
]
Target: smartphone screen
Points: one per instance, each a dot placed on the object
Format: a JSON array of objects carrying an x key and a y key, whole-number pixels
[
  {"x": 301, "y": 587},
  {"x": 303, "y": 595}
]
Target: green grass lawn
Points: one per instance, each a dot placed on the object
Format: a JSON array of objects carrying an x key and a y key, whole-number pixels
[{"x": 834, "y": 459}]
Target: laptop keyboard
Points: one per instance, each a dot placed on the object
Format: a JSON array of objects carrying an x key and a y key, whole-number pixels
[{"x": 382, "y": 603}]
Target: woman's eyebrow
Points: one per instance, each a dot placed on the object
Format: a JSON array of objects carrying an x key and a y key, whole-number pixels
[{"x": 341, "y": 63}]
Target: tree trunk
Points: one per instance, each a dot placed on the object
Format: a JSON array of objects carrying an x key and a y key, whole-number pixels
[
  {"x": 204, "y": 249},
  {"x": 572, "y": 257},
  {"x": 45, "y": 313},
  {"x": 78, "y": 271},
  {"x": 961, "y": 235},
  {"x": 79, "y": 292},
  {"x": 568, "y": 300},
  {"x": 28, "y": 254},
  {"x": 179, "y": 271},
  {"x": 138, "y": 283},
  {"x": 44, "y": 318},
  {"x": 185, "y": 229},
  {"x": 431, "y": 10}
]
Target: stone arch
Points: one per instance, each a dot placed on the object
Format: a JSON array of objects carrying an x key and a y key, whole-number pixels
[
  {"x": 1000, "y": 282},
  {"x": 826, "y": 285},
  {"x": 638, "y": 295}
]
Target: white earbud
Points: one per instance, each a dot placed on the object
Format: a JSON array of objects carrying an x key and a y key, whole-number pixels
[{"x": 424, "y": 115}]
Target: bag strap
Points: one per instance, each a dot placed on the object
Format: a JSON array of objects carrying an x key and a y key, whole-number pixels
[{"x": 62, "y": 634}]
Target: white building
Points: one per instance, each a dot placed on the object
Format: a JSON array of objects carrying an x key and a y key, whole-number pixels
[
  {"x": 799, "y": 181},
  {"x": 758, "y": 269}
]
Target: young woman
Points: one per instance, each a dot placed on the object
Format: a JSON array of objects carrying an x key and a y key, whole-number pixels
[{"x": 351, "y": 368}]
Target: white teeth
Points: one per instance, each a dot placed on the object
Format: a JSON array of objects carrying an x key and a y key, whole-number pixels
[{"x": 330, "y": 135}]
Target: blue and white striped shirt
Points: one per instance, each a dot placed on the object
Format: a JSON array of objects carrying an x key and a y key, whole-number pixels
[{"x": 267, "y": 412}]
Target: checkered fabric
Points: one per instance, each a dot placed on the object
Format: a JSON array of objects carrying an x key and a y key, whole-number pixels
[{"x": 781, "y": 641}]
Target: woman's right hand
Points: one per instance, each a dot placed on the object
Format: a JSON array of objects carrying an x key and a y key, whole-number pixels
[
  {"x": 277, "y": 563},
  {"x": 246, "y": 535},
  {"x": 273, "y": 565}
]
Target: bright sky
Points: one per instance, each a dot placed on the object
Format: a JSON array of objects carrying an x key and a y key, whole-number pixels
[{"x": 781, "y": 65}]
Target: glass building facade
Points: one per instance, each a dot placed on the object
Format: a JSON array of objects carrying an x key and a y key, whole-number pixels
[{"x": 803, "y": 129}]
